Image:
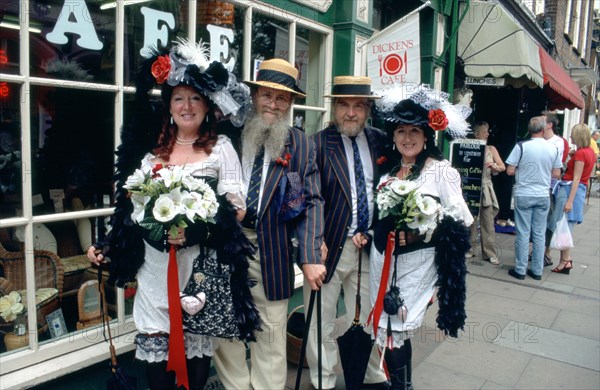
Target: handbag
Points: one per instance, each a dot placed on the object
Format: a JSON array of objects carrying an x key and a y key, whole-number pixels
[
  {"x": 561, "y": 238},
  {"x": 211, "y": 280}
]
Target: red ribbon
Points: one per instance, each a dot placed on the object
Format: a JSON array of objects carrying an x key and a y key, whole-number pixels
[
  {"x": 375, "y": 313},
  {"x": 176, "y": 360}
]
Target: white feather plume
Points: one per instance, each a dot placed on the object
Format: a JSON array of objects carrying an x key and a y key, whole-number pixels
[{"x": 196, "y": 53}]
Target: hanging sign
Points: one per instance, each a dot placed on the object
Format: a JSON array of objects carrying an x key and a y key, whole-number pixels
[{"x": 393, "y": 55}]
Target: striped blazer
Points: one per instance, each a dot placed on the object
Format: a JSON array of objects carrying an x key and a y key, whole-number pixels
[
  {"x": 274, "y": 235},
  {"x": 336, "y": 188}
]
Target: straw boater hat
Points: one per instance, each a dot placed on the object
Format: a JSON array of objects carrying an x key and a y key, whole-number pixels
[
  {"x": 277, "y": 74},
  {"x": 351, "y": 87}
]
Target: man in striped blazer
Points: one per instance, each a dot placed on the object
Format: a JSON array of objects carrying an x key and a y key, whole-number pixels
[
  {"x": 348, "y": 215},
  {"x": 283, "y": 203}
]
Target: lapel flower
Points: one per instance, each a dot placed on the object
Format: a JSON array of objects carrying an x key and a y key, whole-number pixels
[
  {"x": 285, "y": 161},
  {"x": 160, "y": 68},
  {"x": 381, "y": 160},
  {"x": 437, "y": 119}
]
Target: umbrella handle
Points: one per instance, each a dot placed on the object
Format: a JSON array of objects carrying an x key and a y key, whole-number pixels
[
  {"x": 311, "y": 305},
  {"x": 358, "y": 304},
  {"x": 113, "y": 354},
  {"x": 319, "y": 341}
]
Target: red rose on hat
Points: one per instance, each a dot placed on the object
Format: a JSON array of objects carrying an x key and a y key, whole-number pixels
[
  {"x": 160, "y": 68},
  {"x": 437, "y": 119}
]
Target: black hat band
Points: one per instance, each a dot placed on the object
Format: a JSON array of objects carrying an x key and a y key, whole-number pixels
[
  {"x": 351, "y": 89},
  {"x": 277, "y": 77}
]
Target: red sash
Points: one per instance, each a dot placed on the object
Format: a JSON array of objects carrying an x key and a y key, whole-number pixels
[
  {"x": 375, "y": 313},
  {"x": 176, "y": 360}
]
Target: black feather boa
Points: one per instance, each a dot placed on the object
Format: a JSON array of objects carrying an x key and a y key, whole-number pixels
[
  {"x": 236, "y": 250},
  {"x": 452, "y": 244}
]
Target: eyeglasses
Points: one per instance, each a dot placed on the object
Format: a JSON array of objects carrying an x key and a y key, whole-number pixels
[{"x": 281, "y": 101}]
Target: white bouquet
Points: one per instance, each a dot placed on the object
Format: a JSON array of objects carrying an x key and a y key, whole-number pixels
[
  {"x": 169, "y": 197},
  {"x": 410, "y": 209}
]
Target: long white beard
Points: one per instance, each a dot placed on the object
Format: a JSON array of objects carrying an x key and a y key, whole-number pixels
[{"x": 256, "y": 134}]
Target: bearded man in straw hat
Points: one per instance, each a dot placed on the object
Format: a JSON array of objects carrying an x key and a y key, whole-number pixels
[
  {"x": 349, "y": 213},
  {"x": 283, "y": 202}
]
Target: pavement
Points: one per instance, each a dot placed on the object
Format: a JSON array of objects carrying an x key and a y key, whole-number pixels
[{"x": 519, "y": 334}]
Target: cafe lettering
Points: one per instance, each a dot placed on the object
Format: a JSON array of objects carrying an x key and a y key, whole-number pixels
[{"x": 75, "y": 19}]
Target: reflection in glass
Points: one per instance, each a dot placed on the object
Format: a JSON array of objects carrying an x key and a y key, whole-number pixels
[
  {"x": 72, "y": 144},
  {"x": 270, "y": 39},
  {"x": 146, "y": 24},
  {"x": 72, "y": 41},
  {"x": 221, "y": 25},
  {"x": 9, "y": 37},
  {"x": 11, "y": 183}
]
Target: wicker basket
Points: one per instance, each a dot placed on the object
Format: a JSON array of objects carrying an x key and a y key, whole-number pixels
[{"x": 295, "y": 330}]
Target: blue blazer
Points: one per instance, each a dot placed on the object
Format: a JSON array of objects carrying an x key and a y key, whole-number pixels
[
  {"x": 275, "y": 234},
  {"x": 336, "y": 188}
]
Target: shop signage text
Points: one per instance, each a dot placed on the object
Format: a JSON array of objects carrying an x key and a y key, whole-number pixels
[
  {"x": 489, "y": 81},
  {"x": 393, "y": 54},
  {"x": 75, "y": 19},
  {"x": 467, "y": 156}
]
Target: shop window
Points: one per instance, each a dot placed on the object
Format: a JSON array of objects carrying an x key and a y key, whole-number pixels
[
  {"x": 72, "y": 41},
  {"x": 151, "y": 24},
  {"x": 72, "y": 147},
  {"x": 270, "y": 39},
  {"x": 11, "y": 182},
  {"x": 221, "y": 25},
  {"x": 9, "y": 37}
]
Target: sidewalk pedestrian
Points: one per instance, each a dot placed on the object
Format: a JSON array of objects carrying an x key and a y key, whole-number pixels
[
  {"x": 570, "y": 191},
  {"x": 489, "y": 207},
  {"x": 533, "y": 162}
]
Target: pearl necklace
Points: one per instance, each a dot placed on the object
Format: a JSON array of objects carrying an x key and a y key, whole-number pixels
[{"x": 185, "y": 142}]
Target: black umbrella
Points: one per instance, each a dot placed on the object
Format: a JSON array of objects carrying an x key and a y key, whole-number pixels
[
  {"x": 119, "y": 379},
  {"x": 311, "y": 304},
  {"x": 355, "y": 345}
]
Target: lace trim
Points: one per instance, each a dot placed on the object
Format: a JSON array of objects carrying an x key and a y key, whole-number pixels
[
  {"x": 155, "y": 348},
  {"x": 397, "y": 338}
]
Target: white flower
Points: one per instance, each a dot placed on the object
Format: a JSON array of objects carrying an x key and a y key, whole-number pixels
[
  {"x": 15, "y": 296},
  {"x": 191, "y": 183},
  {"x": 190, "y": 203},
  {"x": 402, "y": 187},
  {"x": 139, "y": 206},
  {"x": 164, "y": 209},
  {"x": 171, "y": 174},
  {"x": 176, "y": 195},
  {"x": 427, "y": 205},
  {"x": 17, "y": 308},
  {"x": 11, "y": 306},
  {"x": 135, "y": 180}
]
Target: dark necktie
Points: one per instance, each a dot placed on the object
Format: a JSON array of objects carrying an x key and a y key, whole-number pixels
[
  {"x": 253, "y": 191},
  {"x": 362, "y": 207}
]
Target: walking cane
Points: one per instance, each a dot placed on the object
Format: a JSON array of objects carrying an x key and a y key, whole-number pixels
[{"x": 311, "y": 304}]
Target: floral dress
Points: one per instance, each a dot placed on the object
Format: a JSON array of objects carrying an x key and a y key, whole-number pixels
[
  {"x": 416, "y": 273},
  {"x": 151, "y": 308}
]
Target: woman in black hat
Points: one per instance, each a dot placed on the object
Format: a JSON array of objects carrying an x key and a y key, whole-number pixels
[
  {"x": 212, "y": 259},
  {"x": 405, "y": 262}
]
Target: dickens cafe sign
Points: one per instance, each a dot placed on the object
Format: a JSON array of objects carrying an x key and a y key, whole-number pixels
[{"x": 75, "y": 19}]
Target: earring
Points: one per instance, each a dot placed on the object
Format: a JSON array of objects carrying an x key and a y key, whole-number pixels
[
  {"x": 171, "y": 120},
  {"x": 425, "y": 147},
  {"x": 206, "y": 118},
  {"x": 394, "y": 146}
]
